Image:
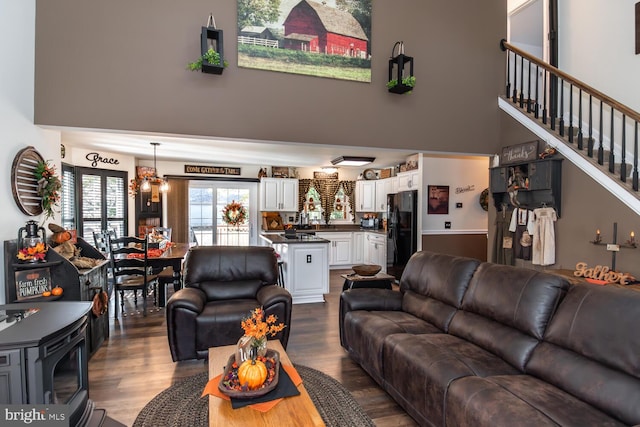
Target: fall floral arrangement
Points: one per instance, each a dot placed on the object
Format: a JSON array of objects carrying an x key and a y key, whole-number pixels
[
  {"x": 257, "y": 327},
  {"x": 234, "y": 214},
  {"x": 33, "y": 253},
  {"x": 49, "y": 186}
]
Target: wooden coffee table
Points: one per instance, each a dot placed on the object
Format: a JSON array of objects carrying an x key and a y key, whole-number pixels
[{"x": 292, "y": 411}]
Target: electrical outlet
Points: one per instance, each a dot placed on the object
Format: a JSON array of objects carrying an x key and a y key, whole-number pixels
[
  {"x": 458, "y": 205},
  {"x": 447, "y": 224},
  {"x": 308, "y": 259}
]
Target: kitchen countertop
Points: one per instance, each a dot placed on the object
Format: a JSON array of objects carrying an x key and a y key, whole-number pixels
[
  {"x": 300, "y": 238},
  {"x": 330, "y": 229}
]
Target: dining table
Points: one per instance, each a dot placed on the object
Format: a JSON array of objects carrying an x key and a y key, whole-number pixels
[{"x": 170, "y": 257}]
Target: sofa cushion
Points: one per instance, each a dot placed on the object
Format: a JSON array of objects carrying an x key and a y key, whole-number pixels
[
  {"x": 419, "y": 368},
  {"x": 591, "y": 349},
  {"x": 433, "y": 286},
  {"x": 365, "y": 332},
  {"x": 520, "y": 400},
  {"x": 507, "y": 309}
]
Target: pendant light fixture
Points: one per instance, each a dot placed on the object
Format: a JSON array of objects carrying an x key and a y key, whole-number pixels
[{"x": 148, "y": 181}]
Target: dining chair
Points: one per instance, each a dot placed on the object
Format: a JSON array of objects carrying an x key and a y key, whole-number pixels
[
  {"x": 101, "y": 241},
  {"x": 131, "y": 272}
]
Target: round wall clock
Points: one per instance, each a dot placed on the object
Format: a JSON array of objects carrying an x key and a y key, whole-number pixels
[
  {"x": 369, "y": 174},
  {"x": 23, "y": 181}
]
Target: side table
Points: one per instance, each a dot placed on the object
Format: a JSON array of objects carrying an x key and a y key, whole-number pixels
[{"x": 380, "y": 280}]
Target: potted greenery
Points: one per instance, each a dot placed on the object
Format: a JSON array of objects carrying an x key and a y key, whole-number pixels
[
  {"x": 209, "y": 62},
  {"x": 406, "y": 86}
]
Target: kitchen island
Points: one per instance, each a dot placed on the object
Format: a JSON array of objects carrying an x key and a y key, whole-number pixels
[{"x": 305, "y": 265}]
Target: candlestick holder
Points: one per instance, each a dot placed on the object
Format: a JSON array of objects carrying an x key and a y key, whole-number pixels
[{"x": 614, "y": 247}]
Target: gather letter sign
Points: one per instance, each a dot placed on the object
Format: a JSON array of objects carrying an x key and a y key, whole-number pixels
[{"x": 218, "y": 170}]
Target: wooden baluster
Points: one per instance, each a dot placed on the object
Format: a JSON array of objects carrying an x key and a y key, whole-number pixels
[
  {"x": 612, "y": 157},
  {"x": 635, "y": 158},
  {"x": 561, "y": 122},
  {"x": 590, "y": 141},
  {"x": 544, "y": 96},
  {"x": 601, "y": 139},
  {"x": 623, "y": 154}
]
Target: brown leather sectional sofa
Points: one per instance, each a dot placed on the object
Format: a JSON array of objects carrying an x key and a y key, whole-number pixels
[{"x": 466, "y": 343}]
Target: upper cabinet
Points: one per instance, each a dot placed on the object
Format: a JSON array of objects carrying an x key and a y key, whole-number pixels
[
  {"x": 382, "y": 187},
  {"x": 366, "y": 196},
  {"x": 409, "y": 180},
  {"x": 279, "y": 194},
  {"x": 530, "y": 185}
]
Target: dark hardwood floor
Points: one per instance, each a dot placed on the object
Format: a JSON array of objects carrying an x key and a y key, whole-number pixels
[{"x": 134, "y": 364}]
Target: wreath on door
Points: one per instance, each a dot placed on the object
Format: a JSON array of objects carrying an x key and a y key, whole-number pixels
[{"x": 234, "y": 214}]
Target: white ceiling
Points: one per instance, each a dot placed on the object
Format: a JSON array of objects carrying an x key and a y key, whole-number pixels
[{"x": 224, "y": 151}]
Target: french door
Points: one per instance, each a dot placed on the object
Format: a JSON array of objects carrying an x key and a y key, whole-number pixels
[{"x": 207, "y": 201}]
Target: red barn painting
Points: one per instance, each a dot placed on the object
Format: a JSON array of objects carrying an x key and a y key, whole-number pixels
[{"x": 315, "y": 27}]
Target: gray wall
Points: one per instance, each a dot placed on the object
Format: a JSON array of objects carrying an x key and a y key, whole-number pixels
[
  {"x": 586, "y": 207},
  {"x": 121, "y": 64}
]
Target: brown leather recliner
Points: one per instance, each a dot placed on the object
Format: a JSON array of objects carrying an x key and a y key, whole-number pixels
[{"x": 222, "y": 284}]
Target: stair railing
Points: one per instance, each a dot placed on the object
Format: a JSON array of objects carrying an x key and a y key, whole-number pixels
[{"x": 556, "y": 88}]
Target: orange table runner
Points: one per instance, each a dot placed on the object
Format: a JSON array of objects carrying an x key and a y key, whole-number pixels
[
  {"x": 212, "y": 389},
  {"x": 152, "y": 252}
]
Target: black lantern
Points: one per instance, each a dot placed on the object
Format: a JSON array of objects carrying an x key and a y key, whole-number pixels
[
  {"x": 399, "y": 82},
  {"x": 211, "y": 38},
  {"x": 30, "y": 235}
]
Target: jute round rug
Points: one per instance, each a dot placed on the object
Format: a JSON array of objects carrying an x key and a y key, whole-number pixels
[{"x": 181, "y": 405}]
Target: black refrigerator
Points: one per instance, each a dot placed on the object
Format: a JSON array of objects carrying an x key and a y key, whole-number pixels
[{"x": 402, "y": 230}]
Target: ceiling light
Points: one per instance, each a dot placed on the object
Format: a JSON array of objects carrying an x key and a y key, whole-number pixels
[
  {"x": 352, "y": 161},
  {"x": 148, "y": 181}
]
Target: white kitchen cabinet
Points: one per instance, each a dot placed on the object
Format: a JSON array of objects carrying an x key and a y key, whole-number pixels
[
  {"x": 409, "y": 180},
  {"x": 306, "y": 270},
  {"x": 365, "y": 196},
  {"x": 357, "y": 246},
  {"x": 382, "y": 186},
  {"x": 279, "y": 194},
  {"x": 375, "y": 249},
  {"x": 340, "y": 248},
  {"x": 392, "y": 185}
]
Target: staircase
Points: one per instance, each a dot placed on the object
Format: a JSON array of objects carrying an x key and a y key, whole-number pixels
[{"x": 596, "y": 133}]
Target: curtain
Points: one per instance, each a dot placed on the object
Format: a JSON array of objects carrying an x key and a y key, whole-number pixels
[
  {"x": 349, "y": 188},
  {"x": 303, "y": 187},
  {"x": 178, "y": 209}
]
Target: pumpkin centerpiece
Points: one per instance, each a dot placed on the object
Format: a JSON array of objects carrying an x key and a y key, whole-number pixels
[{"x": 252, "y": 373}]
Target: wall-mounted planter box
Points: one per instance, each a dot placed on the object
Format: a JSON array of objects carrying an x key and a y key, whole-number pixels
[
  {"x": 401, "y": 88},
  {"x": 215, "y": 35}
]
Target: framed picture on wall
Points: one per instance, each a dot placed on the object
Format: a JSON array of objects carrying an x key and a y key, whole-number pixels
[{"x": 438, "y": 199}]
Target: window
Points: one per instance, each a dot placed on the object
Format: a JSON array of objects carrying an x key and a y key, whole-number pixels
[
  {"x": 68, "y": 197},
  {"x": 313, "y": 207},
  {"x": 341, "y": 207},
  {"x": 102, "y": 201},
  {"x": 207, "y": 200}
]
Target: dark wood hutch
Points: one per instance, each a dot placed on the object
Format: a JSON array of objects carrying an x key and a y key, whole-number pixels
[
  {"x": 78, "y": 284},
  {"x": 148, "y": 210}
]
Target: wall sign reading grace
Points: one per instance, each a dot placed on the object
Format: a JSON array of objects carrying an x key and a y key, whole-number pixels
[{"x": 96, "y": 158}]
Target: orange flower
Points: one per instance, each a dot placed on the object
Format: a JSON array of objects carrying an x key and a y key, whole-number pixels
[
  {"x": 37, "y": 252},
  {"x": 255, "y": 326}
]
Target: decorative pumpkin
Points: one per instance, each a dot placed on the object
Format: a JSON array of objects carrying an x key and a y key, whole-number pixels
[
  {"x": 252, "y": 373},
  {"x": 46, "y": 294},
  {"x": 56, "y": 291},
  {"x": 61, "y": 237}
]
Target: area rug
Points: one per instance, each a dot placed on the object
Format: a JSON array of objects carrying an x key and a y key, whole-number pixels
[{"x": 181, "y": 405}]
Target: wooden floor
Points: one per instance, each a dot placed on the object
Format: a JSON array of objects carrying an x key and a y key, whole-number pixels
[{"x": 134, "y": 365}]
